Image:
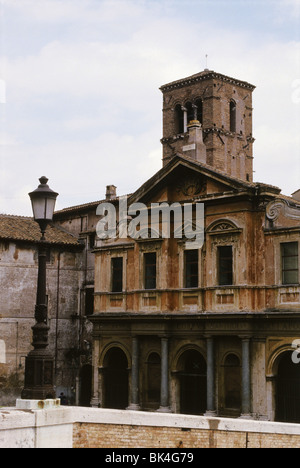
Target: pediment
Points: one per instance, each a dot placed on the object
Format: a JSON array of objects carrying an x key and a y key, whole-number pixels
[
  {"x": 222, "y": 226},
  {"x": 184, "y": 179}
]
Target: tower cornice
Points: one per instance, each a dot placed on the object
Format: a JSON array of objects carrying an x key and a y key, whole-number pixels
[{"x": 202, "y": 76}]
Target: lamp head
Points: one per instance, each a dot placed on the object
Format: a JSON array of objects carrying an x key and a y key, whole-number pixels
[{"x": 43, "y": 203}]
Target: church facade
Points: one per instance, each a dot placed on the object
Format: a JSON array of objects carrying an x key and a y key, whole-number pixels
[{"x": 212, "y": 328}]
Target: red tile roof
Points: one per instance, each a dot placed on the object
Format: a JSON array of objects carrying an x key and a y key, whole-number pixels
[{"x": 19, "y": 228}]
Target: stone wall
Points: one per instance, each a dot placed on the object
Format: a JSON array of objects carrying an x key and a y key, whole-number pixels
[
  {"x": 18, "y": 279},
  {"x": 67, "y": 427}
]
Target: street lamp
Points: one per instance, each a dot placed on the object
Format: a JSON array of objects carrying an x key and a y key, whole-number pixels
[{"x": 39, "y": 365}]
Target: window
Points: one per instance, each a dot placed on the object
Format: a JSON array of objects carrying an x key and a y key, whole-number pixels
[
  {"x": 232, "y": 116},
  {"x": 89, "y": 301},
  {"x": 178, "y": 119},
  {"x": 150, "y": 270},
  {"x": 190, "y": 114},
  {"x": 191, "y": 268},
  {"x": 225, "y": 266},
  {"x": 117, "y": 274},
  {"x": 199, "y": 106},
  {"x": 92, "y": 239},
  {"x": 290, "y": 265}
]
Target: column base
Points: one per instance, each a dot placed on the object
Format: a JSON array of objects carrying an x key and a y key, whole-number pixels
[
  {"x": 246, "y": 416},
  {"x": 210, "y": 414},
  {"x": 95, "y": 403},
  {"x": 133, "y": 407},
  {"x": 164, "y": 409}
]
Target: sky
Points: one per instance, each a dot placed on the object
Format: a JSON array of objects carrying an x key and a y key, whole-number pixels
[{"x": 79, "y": 88}]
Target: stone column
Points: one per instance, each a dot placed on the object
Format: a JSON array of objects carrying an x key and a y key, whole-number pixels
[
  {"x": 210, "y": 410},
  {"x": 246, "y": 379},
  {"x": 134, "y": 404},
  {"x": 96, "y": 382},
  {"x": 185, "y": 122},
  {"x": 164, "y": 390}
]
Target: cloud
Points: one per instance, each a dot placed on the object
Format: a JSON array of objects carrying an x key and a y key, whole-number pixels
[
  {"x": 2, "y": 92},
  {"x": 82, "y": 12},
  {"x": 84, "y": 108},
  {"x": 288, "y": 10}
]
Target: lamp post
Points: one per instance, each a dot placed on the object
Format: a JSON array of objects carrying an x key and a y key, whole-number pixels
[{"x": 39, "y": 364}]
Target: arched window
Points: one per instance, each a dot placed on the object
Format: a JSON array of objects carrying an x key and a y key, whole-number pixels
[
  {"x": 190, "y": 113},
  {"x": 199, "y": 106},
  {"x": 178, "y": 119},
  {"x": 232, "y": 112}
]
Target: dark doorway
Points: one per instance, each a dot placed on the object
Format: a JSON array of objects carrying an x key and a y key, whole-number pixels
[
  {"x": 85, "y": 385},
  {"x": 153, "y": 380},
  {"x": 232, "y": 383},
  {"x": 288, "y": 390},
  {"x": 89, "y": 301},
  {"x": 116, "y": 379},
  {"x": 193, "y": 378}
]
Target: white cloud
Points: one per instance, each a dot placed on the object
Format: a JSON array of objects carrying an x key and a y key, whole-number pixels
[
  {"x": 288, "y": 10},
  {"x": 87, "y": 113},
  {"x": 2, "y": 92},
  {"x": 82, "y": 12}
]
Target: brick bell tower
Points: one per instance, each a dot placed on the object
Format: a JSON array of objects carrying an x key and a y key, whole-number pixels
[{"x": 208, "y": 117}]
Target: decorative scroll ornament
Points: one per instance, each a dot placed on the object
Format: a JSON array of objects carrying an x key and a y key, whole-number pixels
[{"x": 275, "y": 207}]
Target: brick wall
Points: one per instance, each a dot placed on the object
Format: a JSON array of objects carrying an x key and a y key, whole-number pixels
[{"x": 124, "y": 436}]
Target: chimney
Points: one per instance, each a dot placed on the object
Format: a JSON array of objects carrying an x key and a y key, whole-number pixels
[
  {"x": 111, "y": 192},
  {"x": 296, "y": 195},
  {"x": 195, "y": 148}
]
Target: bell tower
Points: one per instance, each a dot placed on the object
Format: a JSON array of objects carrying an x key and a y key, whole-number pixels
[{"x": 208, "y": 117}]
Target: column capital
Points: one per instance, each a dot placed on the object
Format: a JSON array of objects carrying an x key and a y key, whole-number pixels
[
  {"x": 245, "y": 337},
  {"x": 209, "y": 336}
]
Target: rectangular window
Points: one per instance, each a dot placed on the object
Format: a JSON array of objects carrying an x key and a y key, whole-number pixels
[
  {"x": 191, "y": 268},
  {"x": 150, "y": 270},
  {"x": 117, "y": 274},
  {"x": 225, "y": 266},
  {"x": 89, "y": 301},
  {"x": 289, "y": 261}
]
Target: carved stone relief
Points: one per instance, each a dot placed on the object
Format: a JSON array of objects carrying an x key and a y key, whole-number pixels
[{"x": 192, "y": 187}]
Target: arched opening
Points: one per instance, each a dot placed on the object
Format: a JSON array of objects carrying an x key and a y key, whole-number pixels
[
  {"x": 232, "y": 113},
  {"x": 85, "y": 394},
  {"x": 199, "y": 106},
  {"x": 190, "y": 113},
  {"x": 232, "y": 383},
  {"x": 288, "y": 390},
  {"x": 116, "y": 379},
  {"x": 153, "y": 381},
  {"x": 178, "y": 119},
  {"x": 193, "y": 381}
]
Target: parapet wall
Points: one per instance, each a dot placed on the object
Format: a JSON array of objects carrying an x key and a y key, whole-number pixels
[{"x": 73, "y": 427}]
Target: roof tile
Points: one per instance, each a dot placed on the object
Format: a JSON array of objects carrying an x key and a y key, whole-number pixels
[{"x": 20, "y": 228}]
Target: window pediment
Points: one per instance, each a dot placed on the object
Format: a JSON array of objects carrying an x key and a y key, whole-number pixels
[{"x": 223, "y": 226}]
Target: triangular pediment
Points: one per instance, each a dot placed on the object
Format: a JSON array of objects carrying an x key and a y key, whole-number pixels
[{"x": 184, "y": 179}]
